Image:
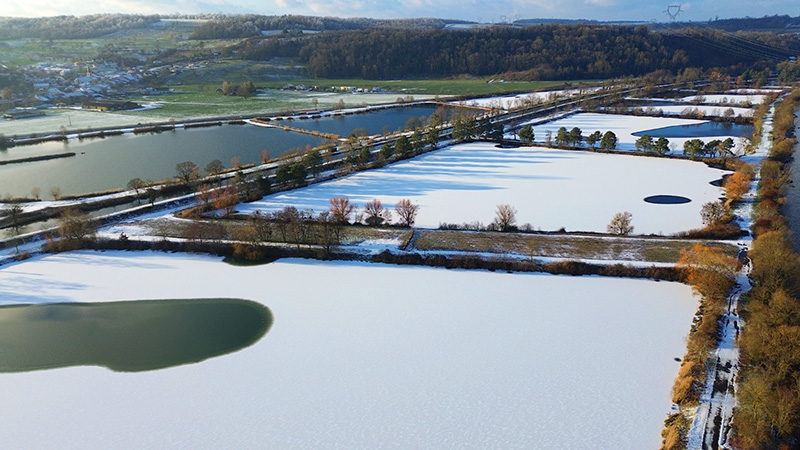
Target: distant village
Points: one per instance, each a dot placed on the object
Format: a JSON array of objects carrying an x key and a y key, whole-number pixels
[{"x": 96, "y": 85}]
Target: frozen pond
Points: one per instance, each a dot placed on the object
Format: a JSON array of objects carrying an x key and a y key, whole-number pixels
[
  {"x": 713, "y": 111},
  {"x": 704, "y": 129},
  {"x": 626, "y": 128},
  {"x": 580, "y": 191},
  {"x": 363, "y": 356},
  {"x": 722, "y": 99}
]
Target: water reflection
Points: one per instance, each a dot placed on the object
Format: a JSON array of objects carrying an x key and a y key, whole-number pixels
[
  {"x": 705, "y": 129},
  {"x": 127, "y": 336}
]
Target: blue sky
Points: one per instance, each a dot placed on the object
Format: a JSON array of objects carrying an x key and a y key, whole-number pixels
[{"x": 484, "y": 11}]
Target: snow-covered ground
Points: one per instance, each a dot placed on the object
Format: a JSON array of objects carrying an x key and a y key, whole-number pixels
[
  {"x": 712, "y": 421},
  {"x": 363, "y": 356},
  {"x": 580, "y": 191},
  {"x": 513, "y": 101},
  {"x": 624, "y": 126},
  {"x": 758, "y": 91},
  {"x": 733, "y": 99},
  {"x": 707, "y": 110},
  {"x": 753, "y": 99}
]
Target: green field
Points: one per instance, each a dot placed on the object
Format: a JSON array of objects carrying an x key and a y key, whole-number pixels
[
  {"x": 142, "y": 43},
  {"x": 194, "y": 85}
]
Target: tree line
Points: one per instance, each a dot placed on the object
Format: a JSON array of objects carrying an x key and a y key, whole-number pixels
[
  {"x": 72, "y": 27},
  {"x": 249, "y": 25},
  {"x": 545, "y": 52},
  {"x": 768, "y": 411}
]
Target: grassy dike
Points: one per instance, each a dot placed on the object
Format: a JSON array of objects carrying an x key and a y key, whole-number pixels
[
  {"x": 768, "y": 411},
  {"x": 773, "y": 263}
]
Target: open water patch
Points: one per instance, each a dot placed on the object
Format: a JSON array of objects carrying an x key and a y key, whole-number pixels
[
  {"x": 132, "y": 336},
  {"x": 720, "y": 182},
  {"x": 667, "y": 199}
]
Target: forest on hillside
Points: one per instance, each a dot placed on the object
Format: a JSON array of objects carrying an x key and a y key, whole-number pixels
[
  {"x": 546, "y": 52},
  {"x": 71, "y": 27},
  {"x": 331, "y": 47},
  {"x": 244, "y": 26}
]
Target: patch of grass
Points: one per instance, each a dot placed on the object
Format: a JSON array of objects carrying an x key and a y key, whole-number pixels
[
  {"x": 355, "y": 235},
  {"x": 558, "y": 246}
]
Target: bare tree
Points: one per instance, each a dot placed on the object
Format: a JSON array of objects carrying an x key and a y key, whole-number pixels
[
  {"x": 215, "y": 167},
  {"x": 226, "y": 199},
  {"x": 505, "y": 217},
  {"x": 136, "y": 184},
  {"x": 205, "y": 194},
  {"x": 36, "y": 192},
  {"x": 621, "y": 224},
  {"x": 55, "y": 191},
  {"x": 328, "y": 230},
  {"x": 187, "y": 171},
  {"x": 712, "y": 213},
  {"x": 406, "y": 211},
  {"x": 375, "y": 213},
  {"x": 75, "y": 227},
  {"x": 341, "y": 209},
  {"x": 14, "y": 213}
]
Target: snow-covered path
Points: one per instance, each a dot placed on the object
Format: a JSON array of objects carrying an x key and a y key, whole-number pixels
[
  {"x": 712, "y": 422},
  {"x": 711, "y": 425}
]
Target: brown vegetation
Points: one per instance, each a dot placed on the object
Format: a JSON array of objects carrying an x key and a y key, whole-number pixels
[
  {"x": 738, "y": 184},
  {"x": 768, "y": 411}
]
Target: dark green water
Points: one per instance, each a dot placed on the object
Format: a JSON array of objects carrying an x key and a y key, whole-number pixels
[{"x": 127, "y": 336}]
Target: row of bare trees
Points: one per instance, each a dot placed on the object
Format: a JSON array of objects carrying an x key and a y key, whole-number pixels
[
  {"x": 302, "y": 227},
  {"x": 374, "y": 214}
]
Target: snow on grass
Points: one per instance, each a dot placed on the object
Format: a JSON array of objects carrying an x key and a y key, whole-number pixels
[
  {"x": 580, "y": 191},
  {"x": 363, "y": 356},
  {"x": 624, "y": 126}
]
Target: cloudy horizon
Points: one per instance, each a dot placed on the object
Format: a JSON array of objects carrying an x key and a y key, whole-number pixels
[{"x": 470, "y": 10}]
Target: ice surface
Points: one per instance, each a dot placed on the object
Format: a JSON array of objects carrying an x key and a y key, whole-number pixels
[
  {"x": 580, "y": 191},
  {"x": 623, "y": 126},
  {"x": 363, "y": 356}
]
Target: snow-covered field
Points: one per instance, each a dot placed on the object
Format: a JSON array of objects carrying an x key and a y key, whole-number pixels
[
  {"x": 623, "y": 127},
  {"x": 733, "y": 99},
  {"x": 512, "y": 101},
  {"x": 753, "y": 99},
  {"x": 580, "y": 191},
  {"x": 363, "y": 356},
  {"x": 707, "y": 110}
]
